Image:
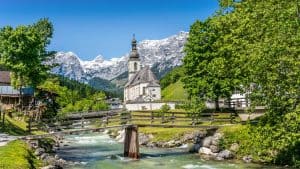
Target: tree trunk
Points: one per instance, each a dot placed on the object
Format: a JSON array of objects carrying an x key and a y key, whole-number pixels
[
  {"x": 217, "y": 104},
  {"x": 3, "y": 120}
]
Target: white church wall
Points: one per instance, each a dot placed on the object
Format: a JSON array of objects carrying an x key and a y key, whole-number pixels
[
  {"x": 155, "y": 92},
  {"x": 142, "y": 86},
  {"x": 148, "y": 106}
]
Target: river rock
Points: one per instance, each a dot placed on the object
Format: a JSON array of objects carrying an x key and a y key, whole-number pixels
[
  {"x": 204, "y": 150},
  {"x": 151, "y": 144},
  {"x": 56, "y": 157},
  {"x": 113, "y": 157},
  {"x": 60, "y": 163},
  {"x": 171, "y": 143},
  {"x": 234, "y": 147},
  {"x": 247, "y": 159},
  {"x": 193, "y": 148},
  {"x": 200, "y": 134},
  {"x": 188, "y": 137},
  {"x": 178, "y": 143},
  {"x": 144, "y": 139},
  {"x": 218, "y": 135},
  {"x": 44, "y": 156},
  {"x": 207, "y": 141},
  {"x": 49, "y": 167},
  {"x": 216, "y": 139},
  {"x": 219, "y": 158},
  {"x": 121, "y": 136},
  {"x": 106, "y": 131},
  {"x": 226, "y": 154},
  {"x": 214, "y": 149},
  {"x": 185, "y": 146},
  {"x": 39, "y": 151},
  {"x": 50, "y": 159}
]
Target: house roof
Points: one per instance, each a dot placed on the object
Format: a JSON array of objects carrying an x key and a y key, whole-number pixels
[
  {"x": 10, "y": 91},
  {"x": 145, "y": 75},
  {"x": 5, "y": 77}
]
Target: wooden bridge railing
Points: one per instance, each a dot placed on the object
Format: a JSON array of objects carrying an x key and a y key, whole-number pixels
[{"x": 147, "y": 118}]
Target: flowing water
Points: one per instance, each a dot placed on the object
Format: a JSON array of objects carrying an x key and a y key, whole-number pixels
[{"x": 99, "y": 151}]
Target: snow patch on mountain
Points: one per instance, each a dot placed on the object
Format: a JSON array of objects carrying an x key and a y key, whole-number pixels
[{"x": 164, "y": 54}]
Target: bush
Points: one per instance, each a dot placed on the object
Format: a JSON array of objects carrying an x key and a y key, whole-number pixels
[{"x": 278, "y": 144}]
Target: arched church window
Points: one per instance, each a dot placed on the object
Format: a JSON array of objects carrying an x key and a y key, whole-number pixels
[{"x": 135, "y": 66}]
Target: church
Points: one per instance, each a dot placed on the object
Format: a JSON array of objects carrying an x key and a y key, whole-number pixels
[
  {"x": 142, "y": 84},
  {"x": 142, "y": 91}
]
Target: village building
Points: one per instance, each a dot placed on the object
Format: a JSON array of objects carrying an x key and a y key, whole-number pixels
[
  {"x": 142, "y": 91},
  {"x": 11, "y": 96}
]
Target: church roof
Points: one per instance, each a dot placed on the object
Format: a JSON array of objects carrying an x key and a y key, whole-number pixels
[{"x": 145, "y": 75}]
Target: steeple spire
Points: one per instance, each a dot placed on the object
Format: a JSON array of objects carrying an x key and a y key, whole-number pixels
[
  {"x": 134, "y": 54},
  {"x": 133, "y": 42}
]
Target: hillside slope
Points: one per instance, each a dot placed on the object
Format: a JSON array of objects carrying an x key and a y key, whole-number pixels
[
  {"x": 172, "y": 86},
  {"x": 174, "y": 92}
]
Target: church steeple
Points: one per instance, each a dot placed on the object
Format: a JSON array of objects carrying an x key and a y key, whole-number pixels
[
  {"x": 134, "y": 54},
  {"x": 134, "y": 59}
]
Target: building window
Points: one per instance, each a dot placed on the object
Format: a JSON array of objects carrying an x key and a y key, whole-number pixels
[
  {"x": 154, "y": 95},
  {"x": 135, "y": 66},
  {"x": 144, "y": 90}
]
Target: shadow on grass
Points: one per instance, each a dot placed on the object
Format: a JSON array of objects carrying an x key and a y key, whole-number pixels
[{"x": 12, "y": 129}]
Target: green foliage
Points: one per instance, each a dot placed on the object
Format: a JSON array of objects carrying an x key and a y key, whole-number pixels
[
  {"x": 80, "y": 90},
  {"x": 95, "y": 102},
  {"x": 252, "y": 45},
  {"x": 208, "y": 73},
  {"x": 164, "y": 109},
  {"x": 172, "y": 77},
  {"x": 279, "y": 144},
  {"x": 195, "y": 107},
  {"x": 73, "y": 96},
  {"x": 17, "y": 155},
  {"x": 23, "y": 51},
  {"x": 110, "y": 88}
]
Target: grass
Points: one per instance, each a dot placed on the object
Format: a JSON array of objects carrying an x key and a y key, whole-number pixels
[
  {"x": 17, "y": 155},
  {"x": 16, "y": 127},
  {"x": 174, "y": 92},
  {"x": 166, "y": 134}
]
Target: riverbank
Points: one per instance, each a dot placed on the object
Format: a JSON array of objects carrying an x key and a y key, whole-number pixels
[
  {"x": 98, "y": 150},
  {"x": 209, "y": 145},
  {"x": 18, "y": 155}
]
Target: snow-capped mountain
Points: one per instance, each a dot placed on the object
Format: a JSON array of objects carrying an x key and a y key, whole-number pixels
[{"x": 164, "y": 54}]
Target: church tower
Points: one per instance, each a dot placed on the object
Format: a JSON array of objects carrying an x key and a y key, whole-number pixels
[{"x": 134, "y": 64}]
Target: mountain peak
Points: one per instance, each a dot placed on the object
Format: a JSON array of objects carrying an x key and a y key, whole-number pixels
[
  {"x": 99, "y": 59},
  {"x": 164, "y": 54}
]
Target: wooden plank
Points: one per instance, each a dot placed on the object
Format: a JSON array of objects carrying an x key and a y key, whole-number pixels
[
  {"x": 131, "y": 142},
  {"x": 71, "y": 131}
]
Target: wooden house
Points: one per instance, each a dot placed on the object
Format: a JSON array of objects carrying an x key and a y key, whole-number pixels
[{"x": 11, "y": 96}]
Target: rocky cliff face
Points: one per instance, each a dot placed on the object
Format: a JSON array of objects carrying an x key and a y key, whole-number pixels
[{"x": 162, "y": 55}]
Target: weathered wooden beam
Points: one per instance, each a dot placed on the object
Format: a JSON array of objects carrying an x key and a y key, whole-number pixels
[
  {"x": 131, "y": 142},
  {"x": 71, "y": 132}
]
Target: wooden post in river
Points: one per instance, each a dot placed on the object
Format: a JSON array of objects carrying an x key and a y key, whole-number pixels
[{"x": 131, "y": 142}]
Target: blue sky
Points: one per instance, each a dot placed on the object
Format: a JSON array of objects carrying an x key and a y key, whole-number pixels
[{"x": 93, "y": 27}]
